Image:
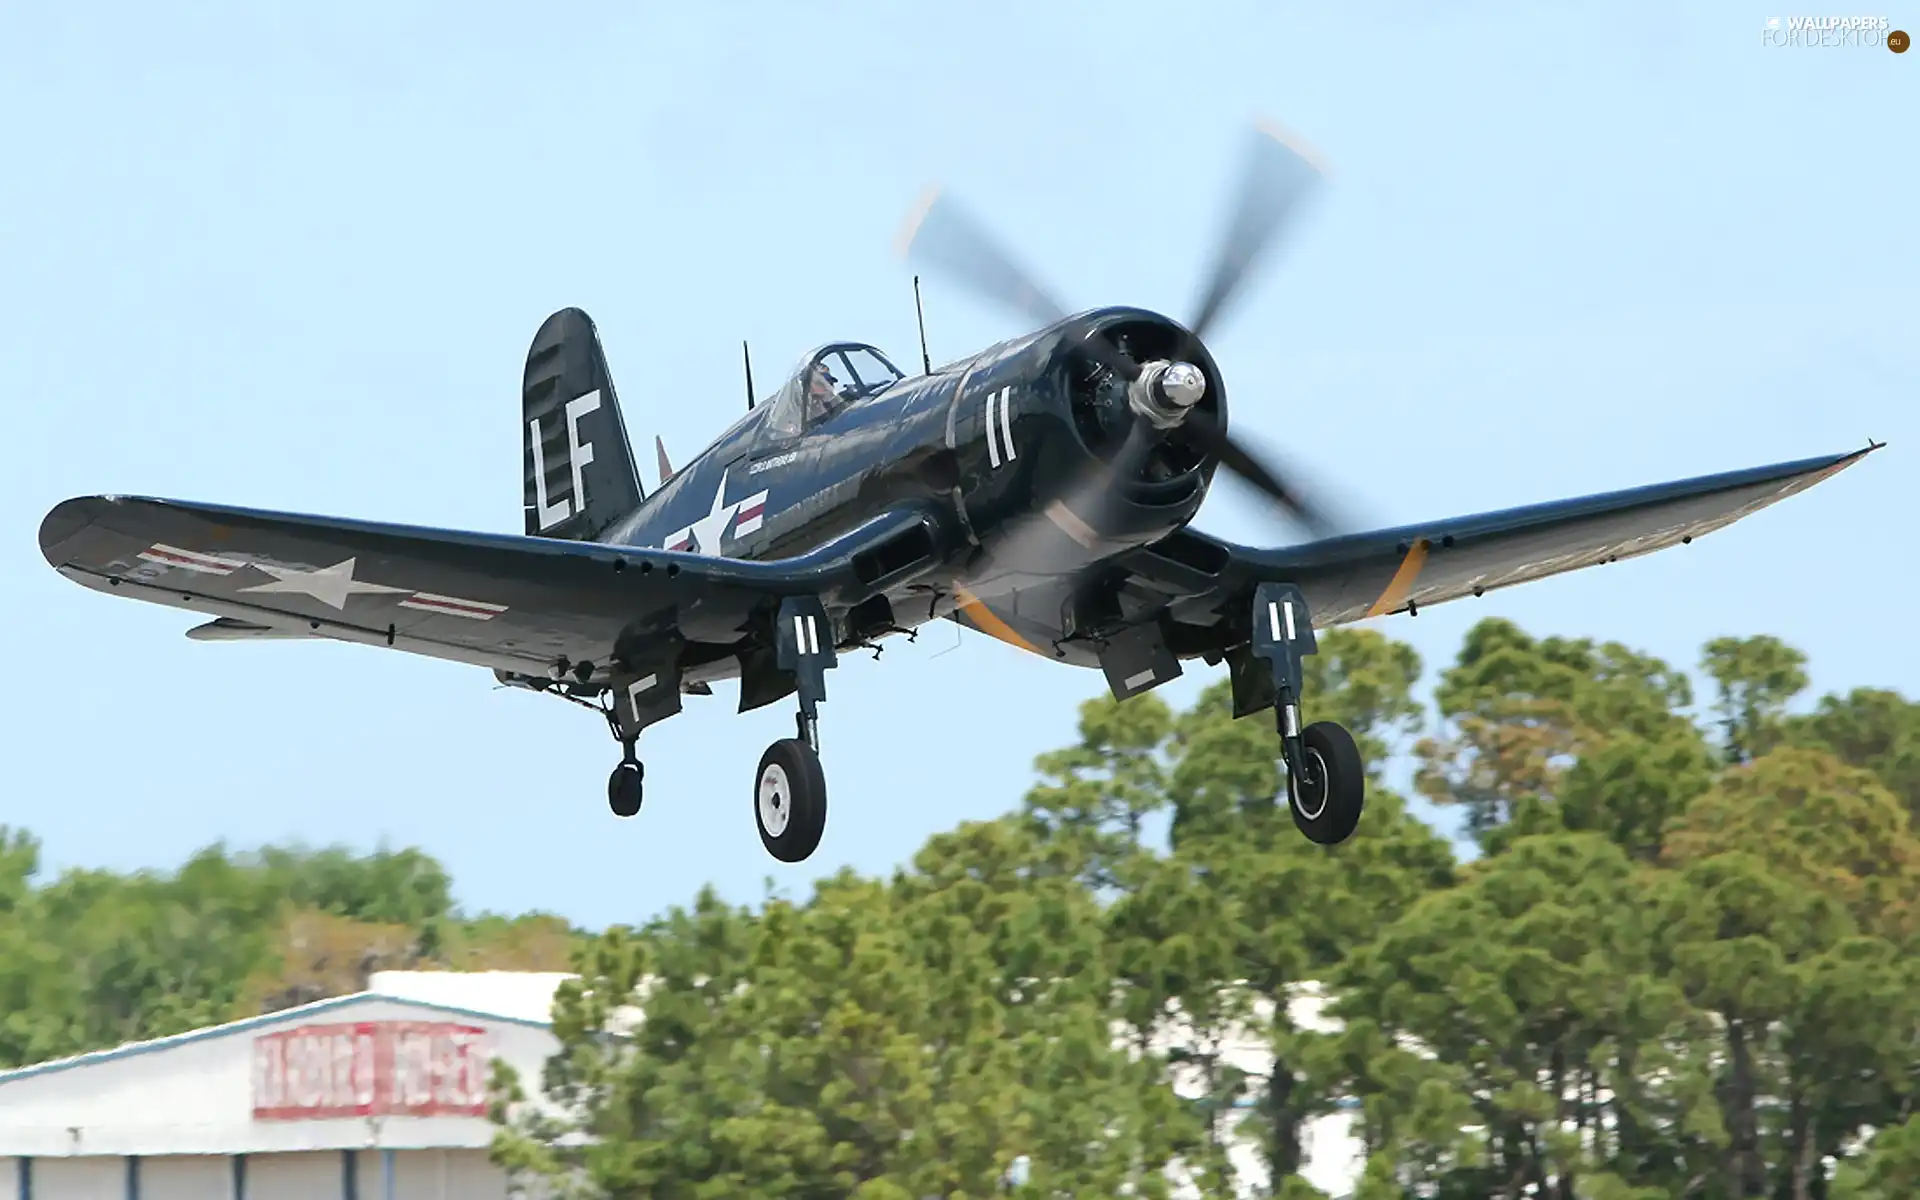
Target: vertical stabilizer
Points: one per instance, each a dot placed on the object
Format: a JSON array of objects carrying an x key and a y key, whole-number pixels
[{"x": 577, "y": 465}]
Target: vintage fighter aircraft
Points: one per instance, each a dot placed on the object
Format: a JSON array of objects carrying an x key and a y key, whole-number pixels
[{"x": 1039, "y": 491}]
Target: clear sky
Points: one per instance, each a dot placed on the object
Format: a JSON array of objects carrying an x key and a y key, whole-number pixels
[{"x": 292, "y": 258}]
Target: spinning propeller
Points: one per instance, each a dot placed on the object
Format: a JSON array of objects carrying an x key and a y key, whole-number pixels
[{"x": 1162, "y": 395}]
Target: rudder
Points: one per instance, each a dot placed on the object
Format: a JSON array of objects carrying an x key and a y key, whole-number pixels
[{"x": 577, "y": 464}]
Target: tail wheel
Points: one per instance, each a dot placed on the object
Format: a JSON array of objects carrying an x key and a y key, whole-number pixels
[
  {"x": 1329, "y": 791},
  {"x": 790, "y": 800}
]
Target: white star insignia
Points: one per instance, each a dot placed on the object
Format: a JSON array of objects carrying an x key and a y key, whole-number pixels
[
  {"x": 330, "y": 585},
  {"x": 708, "y": 530}
]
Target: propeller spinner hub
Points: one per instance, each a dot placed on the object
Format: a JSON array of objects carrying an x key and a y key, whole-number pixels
[
  {"x": 1166, "y": 391},
  {"x": 1183, "y": 384}
]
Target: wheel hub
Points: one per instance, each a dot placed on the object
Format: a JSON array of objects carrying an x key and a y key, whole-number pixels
[
  {"x": 1312, "y": 786},
  {"x": 775, "y": 810}
]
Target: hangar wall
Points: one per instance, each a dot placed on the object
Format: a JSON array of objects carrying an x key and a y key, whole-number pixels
[
  {"x": 362, "y": 1097},
  {"x": 381, "y": 1096},
  {"x": 311, "y": 1175}
]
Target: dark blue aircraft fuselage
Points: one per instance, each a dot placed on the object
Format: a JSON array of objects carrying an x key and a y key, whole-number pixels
[{"x": 974, "y": 442}]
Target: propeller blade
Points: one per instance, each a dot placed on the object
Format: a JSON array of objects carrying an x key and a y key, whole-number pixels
[
  {"x": 1278, "y": 174},
  {"x": 1243, "y": 463},
  {"x": 1076, "y": 507},
  {"x": 942, "y": 235}
]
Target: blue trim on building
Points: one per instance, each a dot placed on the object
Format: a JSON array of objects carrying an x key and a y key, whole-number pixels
[
  {"x": 239, "y": 1177},
  {"x": 23, "y": 1176},
  {"x": 349, "y": 1175},
  {"x": 284, "y": 1016},
  {"x": 133, "y": 1177}
]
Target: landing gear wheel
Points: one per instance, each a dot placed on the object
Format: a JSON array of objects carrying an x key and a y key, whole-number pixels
[
  {"x": 790, "y": 800},
  {"x": 1328, "y": 791},
  {"x": 623, "y": 788}
]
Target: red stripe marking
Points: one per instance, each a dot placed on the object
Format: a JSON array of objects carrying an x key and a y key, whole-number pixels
[
  {"x": 456, "y": 606},
  {"x": 188, "y": 559}
]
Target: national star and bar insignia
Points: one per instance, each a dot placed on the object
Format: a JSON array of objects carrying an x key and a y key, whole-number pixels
[
  {"x": 329, "y": 585},
  {"x": 703, "y": 536},
  {"x": 332, "y": 586}
]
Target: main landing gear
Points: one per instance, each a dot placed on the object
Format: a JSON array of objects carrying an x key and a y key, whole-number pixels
[
  {"x": 789, "y": 788},
  {"x": 1326, "y": 781}
]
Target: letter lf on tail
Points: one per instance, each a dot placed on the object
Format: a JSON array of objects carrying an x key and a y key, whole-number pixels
[{"x": 579, "y": 454}]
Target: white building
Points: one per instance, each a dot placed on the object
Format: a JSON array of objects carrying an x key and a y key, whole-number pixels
[
  {"x": 381, "y": 1095},
  {"x": 1332, "y": 1157}
]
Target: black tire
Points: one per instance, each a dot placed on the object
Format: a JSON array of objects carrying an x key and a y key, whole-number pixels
[
  {"x": 624, "y": 789},
  {"x": 1328, "y": 797},
  {"x": 790, "y": 800}
]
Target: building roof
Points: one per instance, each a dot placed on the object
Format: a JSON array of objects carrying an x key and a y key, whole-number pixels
[
  {"x": 512, "y": 997},
  {"x": 508, "y": 995}
]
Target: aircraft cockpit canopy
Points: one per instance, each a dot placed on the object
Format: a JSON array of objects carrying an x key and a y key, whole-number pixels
[{"x": 828, "y": 380}]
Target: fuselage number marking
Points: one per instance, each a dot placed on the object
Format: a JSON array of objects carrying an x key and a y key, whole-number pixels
[{"x": 999, "y": 428}]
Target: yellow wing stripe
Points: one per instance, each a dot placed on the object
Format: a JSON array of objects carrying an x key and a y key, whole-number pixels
[
  {"x": 981, "y": 617},
  {"x": 1403, "y": 580}
]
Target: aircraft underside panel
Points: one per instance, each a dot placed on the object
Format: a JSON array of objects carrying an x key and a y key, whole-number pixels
[
  {"x": 1190, "y": 594},
  {"x": 581, "y": 614},
  {"x": 1358, "y": 576}
]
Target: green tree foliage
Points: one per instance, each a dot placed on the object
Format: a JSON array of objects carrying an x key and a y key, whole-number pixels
[
  {"x": 1889, "y": 1170},
  {"x": 1554, "y": 733},
  {"x": 1870, "y": 728},
  {"x": 1756, "y": 679},
  {"x": 93, "y": 958},
  {"x": 1684, "y": 962},
  {"x": 910, "y": 1038}
]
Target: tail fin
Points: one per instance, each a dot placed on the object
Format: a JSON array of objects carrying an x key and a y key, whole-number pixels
[{"x": 578, "y": 466}]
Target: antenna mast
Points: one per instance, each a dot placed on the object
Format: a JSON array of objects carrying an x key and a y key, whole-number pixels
[
  {"x": 747, "y": 362},
  {"x": 926, "y": 363}
]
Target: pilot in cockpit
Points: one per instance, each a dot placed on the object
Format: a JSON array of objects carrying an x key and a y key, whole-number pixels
[{"x": 824, "y": 394}]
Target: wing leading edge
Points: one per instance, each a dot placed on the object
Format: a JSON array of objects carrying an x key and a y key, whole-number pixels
[{"x": 1354, "y": 576}]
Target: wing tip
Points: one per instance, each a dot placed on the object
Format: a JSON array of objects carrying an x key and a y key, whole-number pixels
[
  {"x": 1841, "y": 462},
  {"x": 68, "y": 520}
]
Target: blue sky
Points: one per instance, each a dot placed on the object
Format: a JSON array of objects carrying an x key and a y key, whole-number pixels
[{"x": 293, "y": 259}]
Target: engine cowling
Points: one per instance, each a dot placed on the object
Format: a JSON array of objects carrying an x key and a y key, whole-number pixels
[
  {"x": 1175, "y": 471},
  {"x": 1063, "y": 484}
]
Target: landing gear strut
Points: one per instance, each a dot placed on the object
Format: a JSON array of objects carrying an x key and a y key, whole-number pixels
[
  {"x": 790, "y": 787},
  {"x": 1326, "y": 780},
  {"x": 639, "y": 701}
]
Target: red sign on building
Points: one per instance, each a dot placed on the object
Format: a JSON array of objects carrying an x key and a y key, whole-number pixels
[{"x": 370, "y": 1069}]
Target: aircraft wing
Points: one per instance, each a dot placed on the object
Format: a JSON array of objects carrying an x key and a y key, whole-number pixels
[
  {"x": 516, "y": 604},
  {"x": 1210, "y": 582}
]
